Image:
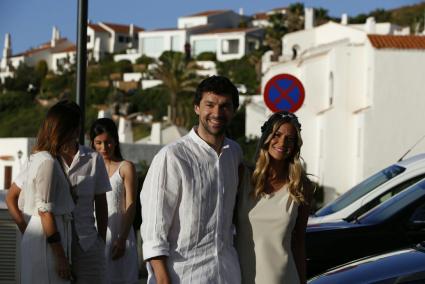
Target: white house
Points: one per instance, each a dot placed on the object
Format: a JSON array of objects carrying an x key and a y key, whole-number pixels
[
  {"x": 213, "y": 18},
  {"x": 261, "y": 20},
  {"x": 14, "y": 153},
  {"x": 31, "y": 57},
  {"x": 104, "y": 38},
  {"x": 364, "y": 99},
  {"x": 62, "y": 59},
  {"x": 228, "y": 43},
  {"x": 153, "y": 43}
]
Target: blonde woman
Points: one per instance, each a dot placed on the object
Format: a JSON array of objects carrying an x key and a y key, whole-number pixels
[{"x": 273, "y": 207}]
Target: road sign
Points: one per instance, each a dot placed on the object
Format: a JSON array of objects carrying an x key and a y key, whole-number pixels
[{"x": 284, "y": 92}]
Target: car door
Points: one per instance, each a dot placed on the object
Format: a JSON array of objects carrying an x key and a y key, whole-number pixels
[{"x": 415, "y": 225}]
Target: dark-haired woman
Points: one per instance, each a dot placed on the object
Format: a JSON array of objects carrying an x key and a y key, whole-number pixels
[
  {"x": 120, "y": 249},
  {"x": 273, "y": 207},
  {"x": 46, "y": 243}
]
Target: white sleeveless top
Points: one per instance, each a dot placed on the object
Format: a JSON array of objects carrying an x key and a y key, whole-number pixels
[
  {"x": 124, "y": 269},
  {"x": 264, "y": 232}
]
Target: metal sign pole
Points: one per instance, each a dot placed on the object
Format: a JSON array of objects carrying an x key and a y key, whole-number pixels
[{"x": 82, "y": 60}]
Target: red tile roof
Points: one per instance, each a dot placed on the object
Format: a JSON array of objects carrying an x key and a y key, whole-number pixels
[
  {"x": 397, "y": 41},
  {"x": 260, "y": 16},
  {"x": 97, "y": 28},
  {"x": 41, "y": 47},
  {"x": 124, "y": 29},
  {"x": 71, "y": 48},
  {"x": 208, "y": 13}
]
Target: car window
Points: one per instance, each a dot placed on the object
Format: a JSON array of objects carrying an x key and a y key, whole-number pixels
[
  {"x": 361, "y": 189},
  {"x": 384, "y": 196},
  {"x": 418, "y": 216},
  {"x": 395, "y": 204}
]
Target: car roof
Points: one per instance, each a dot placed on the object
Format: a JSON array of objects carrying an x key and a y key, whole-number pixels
[{"x": 420, "y": 158}]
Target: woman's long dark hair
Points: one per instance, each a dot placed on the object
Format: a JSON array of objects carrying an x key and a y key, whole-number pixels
[{"x": 106, "y": 125}]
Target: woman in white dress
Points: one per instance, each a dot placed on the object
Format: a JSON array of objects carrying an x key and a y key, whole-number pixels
[
  {"x": 46, "y": 242},
  {"x": 121, "y": 249},
  {"x": 273, "y": 207}
]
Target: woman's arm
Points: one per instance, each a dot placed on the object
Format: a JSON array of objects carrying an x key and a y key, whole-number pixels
[
  {"x": 49, "y": 228},
  {"x": 128, "y": 173},
  {"x": 12, "y": 205},
  {"x": 298, "y": 235}
]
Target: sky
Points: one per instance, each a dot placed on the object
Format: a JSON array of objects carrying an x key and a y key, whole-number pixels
[{"x": 30, "y": 22}]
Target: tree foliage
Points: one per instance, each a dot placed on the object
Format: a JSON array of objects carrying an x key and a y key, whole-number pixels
[
  {"x": 240, "y": 71},
  {"x": 178, "y": 75},
  {"x": 151, "y": 101}
]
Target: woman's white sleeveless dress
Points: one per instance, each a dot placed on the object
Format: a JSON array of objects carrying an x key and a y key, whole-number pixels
[
  {"x": 263, "y": 241},
  {"x": 124, "y": 269}
]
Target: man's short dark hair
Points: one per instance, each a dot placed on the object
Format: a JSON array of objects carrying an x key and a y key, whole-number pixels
[{"x": 219, "y": 85}]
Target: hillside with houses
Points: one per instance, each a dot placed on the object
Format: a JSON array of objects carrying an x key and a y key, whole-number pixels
[{"x": 355, "y": 72}]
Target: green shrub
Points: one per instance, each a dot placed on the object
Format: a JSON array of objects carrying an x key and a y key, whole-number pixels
[{"x": 206, "y": 56}]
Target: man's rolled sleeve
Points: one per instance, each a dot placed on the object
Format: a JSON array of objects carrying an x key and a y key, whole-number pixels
[
  {"x": 101, "y": 176},
  {"x": 159, "y": 198}
]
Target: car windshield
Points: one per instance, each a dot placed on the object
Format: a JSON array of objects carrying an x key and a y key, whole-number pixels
[{"x": 361, "y": 189}]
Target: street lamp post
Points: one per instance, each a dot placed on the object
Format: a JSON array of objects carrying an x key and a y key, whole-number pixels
[{"x": 82, "y": 60}]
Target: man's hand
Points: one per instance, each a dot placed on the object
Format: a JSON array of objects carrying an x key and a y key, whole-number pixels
[{"x": 118, "y": 248}]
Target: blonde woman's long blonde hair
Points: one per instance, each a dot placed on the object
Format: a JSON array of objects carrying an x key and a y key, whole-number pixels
[{"x": 296, "y": 172}]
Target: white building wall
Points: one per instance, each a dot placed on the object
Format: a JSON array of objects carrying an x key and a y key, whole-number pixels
[
  {"x": 166, "y": 39},
  {"x": 395, "y": 121},
  {"x": 322, "y": 35},
  {"x": 331, "y": 116},
  {"x": 188, "y": 22},
  {"x": 11, "y": 147}
]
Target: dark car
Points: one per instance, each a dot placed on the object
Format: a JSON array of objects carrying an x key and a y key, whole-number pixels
[
  {"x": 395, "y": 223},
  {"x": 400, "y": 266}
]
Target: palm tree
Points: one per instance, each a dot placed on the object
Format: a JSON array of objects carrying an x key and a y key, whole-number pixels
[
  {"x": 274, "y": 34},
  {"x": 177, "y": 75}
]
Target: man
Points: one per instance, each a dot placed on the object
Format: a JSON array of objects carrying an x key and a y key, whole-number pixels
[
  {"x": 189, "y": 194},
  {"x": 89, "y": 182}
]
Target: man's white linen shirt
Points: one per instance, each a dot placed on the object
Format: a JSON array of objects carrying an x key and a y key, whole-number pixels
[
  {"x": 187, "y": 201},
  {"x": 88, "y": 173}
]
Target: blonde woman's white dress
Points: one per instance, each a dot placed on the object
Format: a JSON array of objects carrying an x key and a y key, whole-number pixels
[
  {"x": 264, "y": 232},
  {"x": 46, "y": 190},
  {"x": 124, "y": 269}
]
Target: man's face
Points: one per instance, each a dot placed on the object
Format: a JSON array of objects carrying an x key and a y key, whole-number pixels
[{"x": 215, "y": 113}]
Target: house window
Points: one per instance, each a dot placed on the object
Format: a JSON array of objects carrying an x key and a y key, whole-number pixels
[
  {"x": 252, "y": 45},
  {"x": 88, "y": 38},
  {"x": 153, "y": 46},
  {"x": 121, "y": 39},
  {"x": 331, "y": 89},
  {"x": 204, "y": 45},
  {"x": 230, "y": 46},
  {"x": 295, "y": 51}
]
